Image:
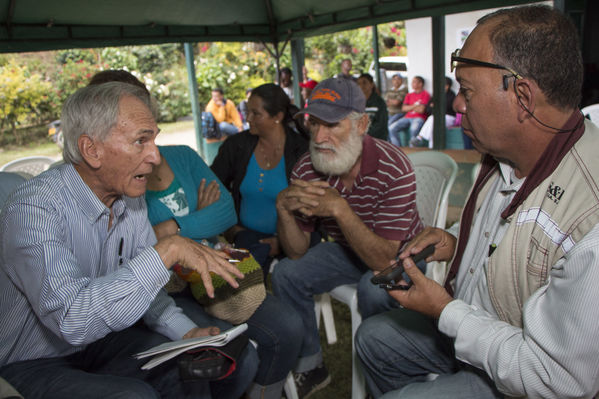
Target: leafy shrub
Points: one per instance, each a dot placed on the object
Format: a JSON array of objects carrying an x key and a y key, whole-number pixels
[{"x": 20, "y": 94}]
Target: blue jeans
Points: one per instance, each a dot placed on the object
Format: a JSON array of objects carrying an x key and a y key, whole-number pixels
[
  {"x": 274, "y": 326},
  {"x": 399, "y": 348},
  {"x": 324, "y": 267},
  {"x": 106, "y": 369},
  {"x": 394, "y": 118},
  {"x": 414, "y": 124},
  {"x": 228, "y": 128},
  {"x": 250, "y": 240}
]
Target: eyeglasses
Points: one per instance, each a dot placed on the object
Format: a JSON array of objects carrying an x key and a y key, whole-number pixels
[{"x": 455, "y": 59}]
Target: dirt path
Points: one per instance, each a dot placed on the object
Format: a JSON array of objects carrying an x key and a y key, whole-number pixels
[{"x": 186, "y": 137}]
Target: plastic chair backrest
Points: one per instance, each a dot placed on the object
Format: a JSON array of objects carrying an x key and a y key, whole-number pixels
[
  {"x": 33, "y": 165},
  {"x": 9, "y": 181},
  {"x": 435, "y": 175},
  {"x": 592, "y": 111}
]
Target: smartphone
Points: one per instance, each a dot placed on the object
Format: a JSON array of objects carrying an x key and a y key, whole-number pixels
[{"x": 391, "y": 276}]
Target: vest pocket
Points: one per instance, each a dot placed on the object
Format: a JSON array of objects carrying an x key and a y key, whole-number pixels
[{"x": 538, "y": 264}]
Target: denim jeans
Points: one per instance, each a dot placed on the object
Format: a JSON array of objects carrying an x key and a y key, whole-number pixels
[
  {"x": 394, "y": 118},
  {"x": 277, "y": 330},
  {"x": 250, "y": 240},
  {"x": 106, "y": 369},
  {"x": 228, "y": 128},
  {"x": 400, "y": 348},
  {"x": 414, "y": 124},
  {"x": 324, "y": 267}
]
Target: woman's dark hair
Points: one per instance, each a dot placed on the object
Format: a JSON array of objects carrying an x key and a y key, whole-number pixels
[
  {"x": 274, "y": 100},
  {"x": 367, "y": 76},
  {"x": 116, "y": 75}
]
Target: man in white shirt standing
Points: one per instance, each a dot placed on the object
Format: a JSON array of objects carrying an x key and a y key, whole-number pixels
[{"x": 518, "y": 314}]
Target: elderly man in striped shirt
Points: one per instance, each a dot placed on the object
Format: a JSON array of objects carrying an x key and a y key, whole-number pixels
[
  {"x": 362, "y": 192},
  {"x": 80, "y": 267}
]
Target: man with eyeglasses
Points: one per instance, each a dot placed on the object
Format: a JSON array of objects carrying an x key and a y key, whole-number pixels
[{"x": 518, "y": 315}]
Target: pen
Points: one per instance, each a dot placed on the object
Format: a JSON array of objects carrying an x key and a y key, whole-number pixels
[
  {"x": 121, "y": 251},
  {"x": 492, "y": 248}
]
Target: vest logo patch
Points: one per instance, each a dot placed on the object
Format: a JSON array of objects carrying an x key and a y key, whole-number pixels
[{"x": 555, "y": 192}]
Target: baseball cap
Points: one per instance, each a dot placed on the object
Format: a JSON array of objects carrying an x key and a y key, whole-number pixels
[
  {"x": 333, "y": 99},
  {"x": 309, "y": 84}
]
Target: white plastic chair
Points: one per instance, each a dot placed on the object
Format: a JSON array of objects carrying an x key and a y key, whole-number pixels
[
  {"x": 9, "y": 181},
  {"x": 592, "y": 111},
  {"x": 435, "y": 175},
  {"x": 33, "y": 165}
]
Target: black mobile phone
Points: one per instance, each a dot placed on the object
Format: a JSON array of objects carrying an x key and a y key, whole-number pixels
[{"x": 392, "y": 275}]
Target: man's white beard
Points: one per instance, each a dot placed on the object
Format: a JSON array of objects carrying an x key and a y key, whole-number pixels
[{"x": 343, "y": 158}]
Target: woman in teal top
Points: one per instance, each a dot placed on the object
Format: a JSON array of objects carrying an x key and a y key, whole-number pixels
[
  {"x": 255, "y": 166},
  {"x": 183, "y": 193},
  {"x": 185, "y": 197}
]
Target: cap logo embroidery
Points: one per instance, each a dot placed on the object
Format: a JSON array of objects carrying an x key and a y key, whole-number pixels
[{"x": 326, "y": 94}]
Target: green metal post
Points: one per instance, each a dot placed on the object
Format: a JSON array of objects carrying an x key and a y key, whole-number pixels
[
  {"x": 375, "y": 47},
  {"x": 438, "y": 27},
  {"x": 193, "y": 97},
  {"x": 297, "y": 62}
]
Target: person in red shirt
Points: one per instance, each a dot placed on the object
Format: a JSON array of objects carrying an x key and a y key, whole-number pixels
[{"x": 414, "y": 105}]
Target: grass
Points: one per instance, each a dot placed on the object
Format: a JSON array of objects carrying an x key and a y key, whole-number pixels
[
  {"x": 42, "y": 145},
  {"x": 48, "y": 149},
  {"x": 338, "y": 357}
]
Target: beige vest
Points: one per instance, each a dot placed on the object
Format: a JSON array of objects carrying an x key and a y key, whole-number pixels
[{"x": 554, "y": 217}]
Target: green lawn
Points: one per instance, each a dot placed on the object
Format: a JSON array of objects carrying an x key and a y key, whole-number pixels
[{"x": 47, "y": 148}]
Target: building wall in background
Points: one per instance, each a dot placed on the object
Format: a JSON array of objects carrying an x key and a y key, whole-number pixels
[{"x": 419, "y": 42}]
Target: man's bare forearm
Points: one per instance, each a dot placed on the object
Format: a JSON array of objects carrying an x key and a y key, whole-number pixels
[
  {"x": 293, "y": 240},
  {"x": 374, "y": 250}
]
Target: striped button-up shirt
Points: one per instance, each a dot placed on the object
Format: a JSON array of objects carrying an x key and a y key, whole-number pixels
[
  {"x": 67, "y": 279},
  {"x": 383, "y": 195}
]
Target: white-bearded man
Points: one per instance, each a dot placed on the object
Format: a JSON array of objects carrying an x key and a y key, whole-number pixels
[{"x": 362, "y": 192}]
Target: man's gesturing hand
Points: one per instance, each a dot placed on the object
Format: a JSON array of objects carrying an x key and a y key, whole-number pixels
[{"x": 200, "y": 258}]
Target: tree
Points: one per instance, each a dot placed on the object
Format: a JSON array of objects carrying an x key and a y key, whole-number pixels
[
  {"x": 325, "y": 53},
  {"x": 20, "y": 94}
]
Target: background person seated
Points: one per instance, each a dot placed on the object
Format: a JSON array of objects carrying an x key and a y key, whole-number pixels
[
  {"x": 255, "y": 165},
  {"x": 394, "y": 98},
  {"x": 375, "y": 108},
  {"x": 426, "y": 131},
  {"x": 224, "y": 112},
  {"x": 414, "y": 105}
]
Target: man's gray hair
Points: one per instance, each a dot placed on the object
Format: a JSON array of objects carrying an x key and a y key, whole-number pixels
[
  {"x": 94, "y": 110},
  {"x": 355, "y": 116}
]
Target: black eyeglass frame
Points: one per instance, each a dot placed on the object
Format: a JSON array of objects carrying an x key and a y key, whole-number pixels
[{"x": 455, "y": 58}]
